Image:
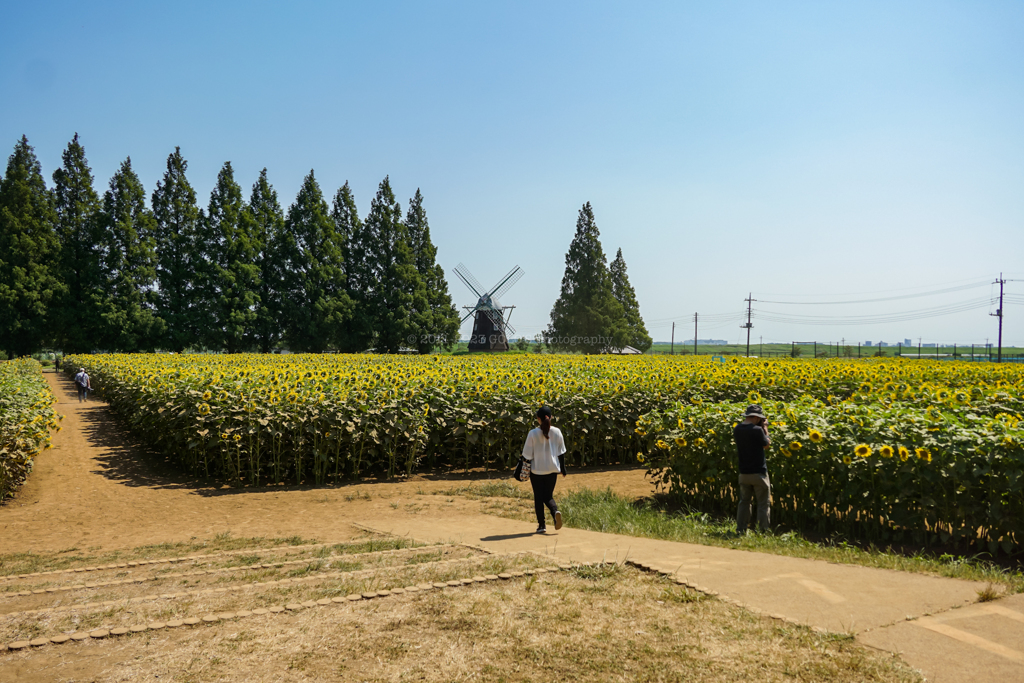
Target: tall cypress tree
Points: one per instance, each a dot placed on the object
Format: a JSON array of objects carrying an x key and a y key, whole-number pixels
[
  {"x": 79, "y": 319},
  {"x": 358, "y": 334},
  {"x": 180, "y": 262},
  {"x": 29, "y": 253},
  {"x": 314, "y": 276},
  {"x": 626, "y": 296},
  {"x": 268, "y": 233},
  {"x": 234, "y": 274},
  {"x": 128, "y": 265},
  {"x": 586, "y": 317},
  {"x": 390, "y": 287},
  {"x": 438, "y": 322}
]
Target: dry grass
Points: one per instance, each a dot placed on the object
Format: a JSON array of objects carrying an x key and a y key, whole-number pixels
[
  {"x": 120, "y": 605},
  {"x": 607, "y": 623}
]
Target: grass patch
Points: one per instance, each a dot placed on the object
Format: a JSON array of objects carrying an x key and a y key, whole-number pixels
[
  {"x": 612, "y": 513},
  {"x": 29, "y": 563},
  {"x": 549, "y": 627}
]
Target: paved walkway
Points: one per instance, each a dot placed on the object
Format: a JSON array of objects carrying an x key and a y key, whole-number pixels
[{"x": 935, "y": 624}]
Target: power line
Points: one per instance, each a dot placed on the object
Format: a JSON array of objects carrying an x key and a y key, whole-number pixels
[
  {"x": 871, "y": 301},
  {"x": 949, "y": 309}
]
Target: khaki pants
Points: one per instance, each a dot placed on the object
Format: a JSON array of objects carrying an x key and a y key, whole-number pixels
[{"x": 754, "y": 486}]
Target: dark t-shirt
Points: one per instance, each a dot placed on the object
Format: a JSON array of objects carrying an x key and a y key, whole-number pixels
[{"x": 750, "y": 442}]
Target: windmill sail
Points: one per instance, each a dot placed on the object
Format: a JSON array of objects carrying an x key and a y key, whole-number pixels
[{"x": 490, "y": 324}]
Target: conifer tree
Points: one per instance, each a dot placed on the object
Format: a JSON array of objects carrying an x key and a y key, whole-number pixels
[
  {"x": 586, "y": 317},
  {"x": 180, "y": 263},
  {"x": 78, "y": 316},
  {"x": 315, "y": 299},
  {"x": 128, "y": 265},
  {"x": 390, "y": 287},
  {"x": 358, "y": 333},
  {"x": 29, "y": 253},
  {"x": 234, "y": 275},
  {"x": 626, "y": 296},
  {"x": 267, "y": 219},
  {"x": 438, "y": 323}
]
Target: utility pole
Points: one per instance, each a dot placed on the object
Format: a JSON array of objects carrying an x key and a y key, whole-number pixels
[
  {"x": 695, "y": 334},
  {"x": 673, "y": 347},
  {"x": 749, "y": 301},
  {"x": 999, "y": 314},
  {"x": 760, "y": 346}
]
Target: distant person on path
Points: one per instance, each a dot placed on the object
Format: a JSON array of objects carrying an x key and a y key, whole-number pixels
[
  {"x": 544, "y": 448},
  {"x": 752, "y": 441},
  {"x": 83, "y": 384}
]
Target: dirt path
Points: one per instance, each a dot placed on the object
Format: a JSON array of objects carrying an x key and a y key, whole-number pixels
[{"x": 95, "y": 488}]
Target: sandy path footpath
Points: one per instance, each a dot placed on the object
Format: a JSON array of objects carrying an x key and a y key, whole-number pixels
[{"x": 95, "y": 488}]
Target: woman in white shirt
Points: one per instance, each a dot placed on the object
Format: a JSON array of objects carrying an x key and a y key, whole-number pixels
[{"x": 544, "y": 445}]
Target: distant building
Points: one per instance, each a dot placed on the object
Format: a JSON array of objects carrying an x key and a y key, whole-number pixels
[
  {"x": 908, "y": 342},
  {"x": 929, "y": 346},
  {"x": 867, "y": 343},
  {"x": 883, "y": 343},
  {"x": 707, "y": 342}
]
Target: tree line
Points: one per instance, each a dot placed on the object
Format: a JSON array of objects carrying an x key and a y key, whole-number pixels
[
  {"x": 80, "y": 272},
  {"x": 597, "y": 309}
]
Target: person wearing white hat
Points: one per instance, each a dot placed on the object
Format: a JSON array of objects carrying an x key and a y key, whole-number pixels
[
  {"x": 83, "y": 384},
  {"x": 752, "y": 441}
]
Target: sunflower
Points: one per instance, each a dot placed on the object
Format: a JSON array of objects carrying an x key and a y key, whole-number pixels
[
  {"x": 754, "y": 397},
  {"x": 680, "y": 441},
  {"x": 794, "y": 446},
  {"x": 847, "y": 459},
  {"x": 923, "y": 454},
  {"x": 815, "y": 436},
  {"x": 904, "y": 453},
  {"x": 662, "y": 445},
  {"x": 862, "y": 450},
  {"x": 639, "y": 457},
  {"x": 885, "y": 451},
  {"x": 207, "y": 395},
  {"x": 204, "y": 408},
  {"x": 292, "y": 397},
  {"x": 700, "y": 443}
]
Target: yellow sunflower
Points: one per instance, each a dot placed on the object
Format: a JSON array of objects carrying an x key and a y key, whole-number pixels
[
  {"x": 815, "y": 436},
  {"x": 862, "y": 450},
  {"x": 885, "y": 451}
]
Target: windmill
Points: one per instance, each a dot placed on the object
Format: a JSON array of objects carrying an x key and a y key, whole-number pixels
[{"x": 490, "y": 327}]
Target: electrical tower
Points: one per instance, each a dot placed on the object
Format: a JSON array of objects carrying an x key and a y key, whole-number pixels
[
  {"x": 748, "y": 325},
  {"x": 999, "y": 314}
]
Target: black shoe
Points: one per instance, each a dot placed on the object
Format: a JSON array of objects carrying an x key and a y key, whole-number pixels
[{"x": 541, "y": 530}]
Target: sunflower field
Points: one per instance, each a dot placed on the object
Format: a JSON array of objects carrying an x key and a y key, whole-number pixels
[
  {"x": 943, "y": 454},
  {"x": 26, "y": 418}
]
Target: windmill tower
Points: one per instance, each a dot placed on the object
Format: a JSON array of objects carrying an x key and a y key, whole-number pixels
[{"x": 490, "y": 326}]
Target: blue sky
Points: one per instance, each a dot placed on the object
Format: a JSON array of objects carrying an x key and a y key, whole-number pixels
[{"x": 799, "y": 151}]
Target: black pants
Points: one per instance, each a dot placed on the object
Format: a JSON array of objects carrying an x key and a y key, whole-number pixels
[{"x": 543, "y": 490}]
